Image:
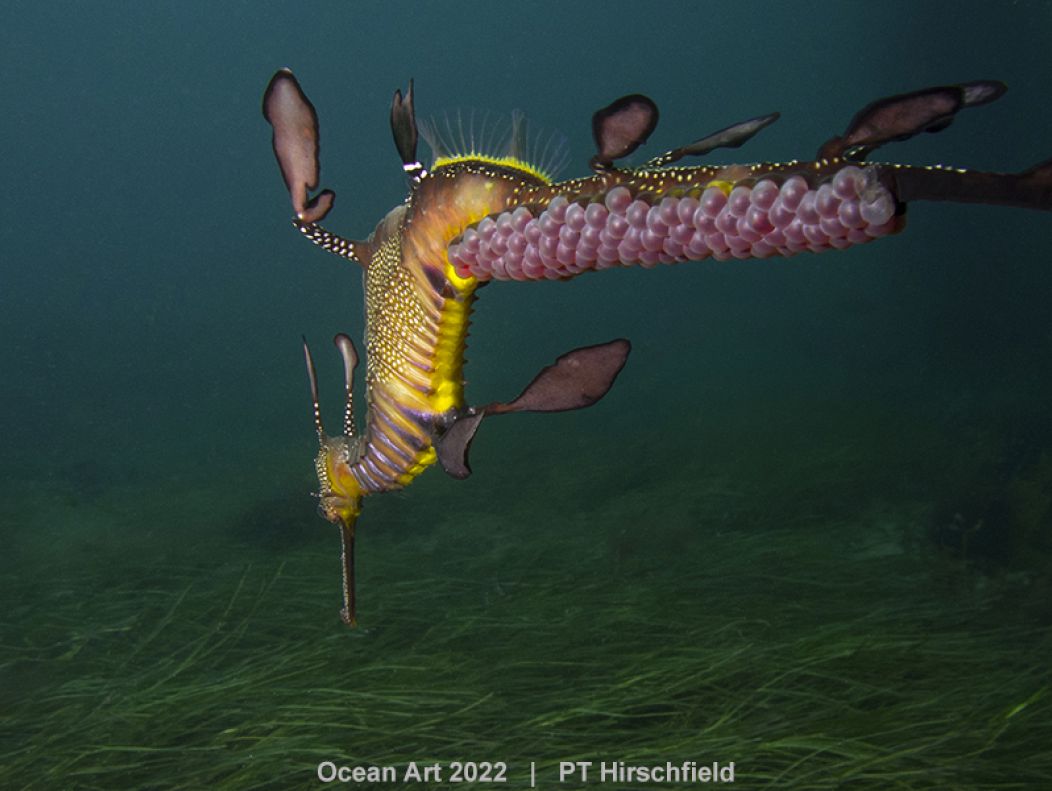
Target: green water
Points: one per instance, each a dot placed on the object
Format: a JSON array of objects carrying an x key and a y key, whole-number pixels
[{"x": 809, "y": 531}]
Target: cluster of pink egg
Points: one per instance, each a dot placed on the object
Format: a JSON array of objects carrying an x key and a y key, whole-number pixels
[{"x": 765, "y": 219}]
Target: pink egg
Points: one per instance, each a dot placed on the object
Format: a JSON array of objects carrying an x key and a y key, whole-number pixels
[
  {"x": 596, "y": 214},
  {"x": 575, "y": 216},
  {"x": 764, "y": 194},
  {"x": 618, "y": 200},
  {"x": 826, "y": 201},
  {"x": 739, "y": 200},
  {"x": 637, "y": 214},
  {"x": 668, "y": 211},
  {"x": 656, "y": 222},
  {"x": 850, "y": 214},
  {"x": 557, "y": 208},
  {"x": 520, "y": 218},
  {"x": 793, "y": 191},
  {"x": 846, "y": 181},
  {"x": 685, "y": 210},
  {"x": 712, "y": 202}
]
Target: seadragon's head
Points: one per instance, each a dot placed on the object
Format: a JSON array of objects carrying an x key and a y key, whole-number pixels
[
  {"x": 339, "y": 494},
  {"x": 339, "y": 498}
]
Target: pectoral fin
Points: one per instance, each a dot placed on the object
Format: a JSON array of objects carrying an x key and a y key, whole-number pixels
[{"x": 576, "y": 380}]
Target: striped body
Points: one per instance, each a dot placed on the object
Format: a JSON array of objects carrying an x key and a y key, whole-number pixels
[{"x": 417, "y": 314}]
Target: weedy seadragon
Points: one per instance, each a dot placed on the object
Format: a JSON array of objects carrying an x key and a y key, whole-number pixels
[{"x": 471, "y": 218}]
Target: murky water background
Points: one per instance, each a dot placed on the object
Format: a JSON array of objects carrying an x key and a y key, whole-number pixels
[{"x": 808, "y": 531}]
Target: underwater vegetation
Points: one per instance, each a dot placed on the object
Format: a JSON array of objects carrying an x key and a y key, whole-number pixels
[
  {"x": 804, "y": 633},
  {"x": 995, "y": 518},
  {"x": 822, "y": 563}
]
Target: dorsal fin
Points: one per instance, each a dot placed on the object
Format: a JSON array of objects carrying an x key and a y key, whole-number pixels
[
  {"x": 731, "y": 137},
  {"x": 621, "y": 127}
]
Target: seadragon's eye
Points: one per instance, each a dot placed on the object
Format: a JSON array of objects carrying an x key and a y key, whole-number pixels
[{"x": 328, "y": 509}]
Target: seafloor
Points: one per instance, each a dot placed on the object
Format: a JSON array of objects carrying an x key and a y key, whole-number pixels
[{"x": 804, "y": 608}]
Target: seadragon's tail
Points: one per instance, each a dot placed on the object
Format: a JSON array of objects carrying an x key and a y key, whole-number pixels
[{"x": 656, "y": 214}]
